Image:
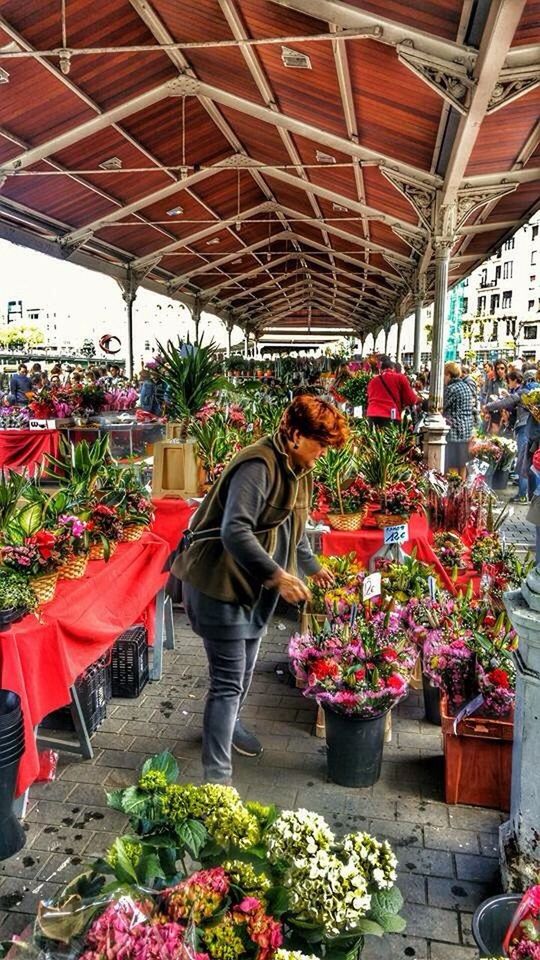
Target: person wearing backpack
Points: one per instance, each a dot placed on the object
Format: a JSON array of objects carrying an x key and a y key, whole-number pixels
[{"x": 388, "y": 394}]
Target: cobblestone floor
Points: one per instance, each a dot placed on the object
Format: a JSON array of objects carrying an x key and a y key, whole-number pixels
[{"x": 447, "y": 855}]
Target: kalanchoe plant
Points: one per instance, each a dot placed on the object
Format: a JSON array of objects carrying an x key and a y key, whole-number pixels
[
  {"x": 399, "y": 499},
  {"x": 103, "y": 526},
  {"x": 450, "y": 549}
]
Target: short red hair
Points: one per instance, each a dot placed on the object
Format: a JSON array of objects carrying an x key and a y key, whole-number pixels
[{"x": 315, "y": 419}]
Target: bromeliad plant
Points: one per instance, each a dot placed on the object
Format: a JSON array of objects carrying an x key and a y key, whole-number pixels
[
  {"x": 359, "y": 670},
  {"x": 191, "y": 377},
  {"x": 338, "y": 487},
  {"x": 216, "y": 444}
]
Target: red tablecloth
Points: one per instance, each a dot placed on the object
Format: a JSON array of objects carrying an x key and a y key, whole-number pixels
[
  {"x": 41, "y": 660},
  {"x": 26, "y": 448},
  {"x": 368, "y": 540},
  {"x": 171, "y": 518}
]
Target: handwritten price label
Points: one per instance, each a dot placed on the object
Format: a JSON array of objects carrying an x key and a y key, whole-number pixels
[
  {"x": 37, "y": 424},
  {"x": 399, "y": 534},
  {"x": 371, "y": 586}
]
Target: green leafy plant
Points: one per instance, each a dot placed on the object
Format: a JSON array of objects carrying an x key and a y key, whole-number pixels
[
  {"x": 12, "y": 488},
  {"x": 216, "y": 443},
  {"x": 15, "y": 592},
  {"x": 80, "y": 465},
  {"x": 190, "y": 380}
]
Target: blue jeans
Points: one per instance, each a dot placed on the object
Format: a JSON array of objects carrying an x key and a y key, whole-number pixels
[
  {"x": 230, "y": 667},
  {"x": 523, "y": 480}
]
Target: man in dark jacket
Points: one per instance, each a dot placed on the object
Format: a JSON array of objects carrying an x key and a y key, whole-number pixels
[{"x": 20, "y": 385}]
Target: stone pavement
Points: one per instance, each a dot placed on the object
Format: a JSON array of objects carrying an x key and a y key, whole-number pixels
[{"x": 447, "y": 854}]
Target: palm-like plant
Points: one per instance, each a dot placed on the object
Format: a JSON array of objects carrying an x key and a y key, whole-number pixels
[
  {"x": 190, "y": 378},
  {"x": 81, "y": 464},
  {"x": 12, "y": 488},
  {"x": 215, "y": 443},
  {"x": 380, "y": 457},
  {"x": 335, "y": 473}
]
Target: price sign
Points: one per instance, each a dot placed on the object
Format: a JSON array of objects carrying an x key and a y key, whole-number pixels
[
  {"x": 37, "y": 424},
  {"x": 398, "y": 534},
  {"x": 358, "y": 411},
  {"x": 432, "y": 587},
  {"x": 371, "y": 586}
]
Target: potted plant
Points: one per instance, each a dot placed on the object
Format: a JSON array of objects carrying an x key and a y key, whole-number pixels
[
  {"x": 104, "y": 529},
  {"x": 30, "y": 549},
  {"x": 450, "y": 549},
  {"x": 397, "y": 502},
  {"x": 341, "y": 493},
  {"x": 217, "y": 441},
  {"x": 509, "y": 924},
  {"x": 16, "y": 597},
  {"x": 73, "y": 544},
  {"x": 353, "y": 388},
  {"x": 191, "y": 375},
  {"x": 357, "y": 672},
  {"x": 122, "y": 489},
  {"x": 508, "y": 448}
]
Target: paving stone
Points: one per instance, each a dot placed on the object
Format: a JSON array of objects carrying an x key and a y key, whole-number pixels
[
  {"x": 56, "y": 790},
  {"x": 432, "y": 923},
  {"x": 430, "y": 863},
  {"x": 400, "y": 947},
  {"x": 87, "y": 793},
  {"x": 447, "y": 951},
  {"x": 475, "y": 818},
  {"x": 402, "y": 834},
  {"x": 25, "y": 864},
  {"x": 489, "y": 844},
  {"x": 457, "y": 894},
  {"x": 443, "y": 838},
  {"x": 83, "y": 772},
  {"x": 423, "y": 813},
  {"x": 20, "y": 896},
  {"x": 483, "y": 869},
  {"x": 14, "y": 924},
  {"x": 413, "y": 887}
]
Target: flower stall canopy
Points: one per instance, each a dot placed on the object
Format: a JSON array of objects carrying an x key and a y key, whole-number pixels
[{"x": 288, "y": 164}]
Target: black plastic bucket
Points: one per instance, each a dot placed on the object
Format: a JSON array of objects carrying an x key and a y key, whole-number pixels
[
  {"x": 10, "y": 709},
  {"x": 12, "y": 835},
  {"x": 432, "y": 701},
  {"x": 499, "y": 481},
  {"x": 354, "y": 748},
  {"x": 491, "y": 921}
]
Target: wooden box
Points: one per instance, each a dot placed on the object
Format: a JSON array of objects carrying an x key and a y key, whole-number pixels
[
  {"x": 176, "y": 470},
  {"x": 478, "y": 760},
  {"x": 173, "y": 430}
]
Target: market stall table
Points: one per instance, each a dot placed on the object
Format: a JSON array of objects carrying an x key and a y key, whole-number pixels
[
  {"x": 172, "y": 516},
  {"x": 41, "y": 659},
  {"x": 368, "y": 540},
  {"x": 25, "y": 449}
]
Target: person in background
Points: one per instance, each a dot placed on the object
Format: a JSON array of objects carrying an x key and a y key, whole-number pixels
[
  {"x": 76, "y": 379},
  {"x": 388, "y": 394},
  {"x": 243, "y": 551},
  {"x": 458, "y": 410},
  {"x": 148, "y": 399},
  {"x": 533, "y": 513},
  {"x": 20, "y": 386},
  {"x": 494, "y": 388},
  {"x": 518, "y": 416},
  {"x": 468, "y": 378}
]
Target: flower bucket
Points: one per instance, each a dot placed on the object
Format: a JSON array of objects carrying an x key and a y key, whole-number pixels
[
  {"x": 390, "y": 519},
  {"x": 132, "y": 532},
  {"x": 347, "y": 522},
  {"x": 97, "y": 551},
  {"x": 491, "y": 921},
  {"x": 44, "y": 587},
  {"x": 9, "y": 616},
  {"x": 354, "y": 748},
  {"x": 12, "y": 835},
  {"x": 432, "y": 701},
  {"x": 74, "y": 567},
  {"x": 499, "y": 480}
]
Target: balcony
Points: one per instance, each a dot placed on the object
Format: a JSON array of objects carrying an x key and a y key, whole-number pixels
[{"x": 488, "y": 284}]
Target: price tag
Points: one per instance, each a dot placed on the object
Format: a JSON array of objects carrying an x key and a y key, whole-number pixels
[
  {"x": 371, "y": 586},
  {"x": 358, "y": 411},
  {"x": 37, "y": 424},
  {"x": 432, "y": 587},
  {"x": 398, "y": 534}
]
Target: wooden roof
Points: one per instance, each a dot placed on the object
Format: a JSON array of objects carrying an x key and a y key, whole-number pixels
[{"x": 276, "y": 195}]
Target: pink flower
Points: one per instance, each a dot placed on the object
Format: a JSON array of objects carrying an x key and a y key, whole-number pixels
[{"x": 248, "y": 904}]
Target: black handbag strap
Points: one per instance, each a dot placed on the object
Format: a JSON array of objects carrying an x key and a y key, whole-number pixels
[{"x": 389, "y": 392}]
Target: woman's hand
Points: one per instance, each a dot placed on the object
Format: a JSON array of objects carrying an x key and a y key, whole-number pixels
[
  {"x": 291, "y": 588},
  {"x": 324, "y": 578}
]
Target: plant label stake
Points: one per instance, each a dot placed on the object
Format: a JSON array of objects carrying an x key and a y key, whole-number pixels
[
  {"x": 371, "y": 586},
  {"x": 432, "y": 587}
]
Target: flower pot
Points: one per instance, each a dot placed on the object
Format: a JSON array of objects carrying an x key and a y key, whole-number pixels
[
  {"x": 11, "y": 615},
  {"x": 491, "y": 921},
  {"x": 354, "y": 748},
  {"x": 132, "y": 532},
  {"x": 347, "y": 521},
  {"x": 499, "y": 480},
  {"x": 477, "y": 760},
  {"x": 97, "y": 551},
  {"x": 12, "y": 836},
  {"x": 432, "y": 701},
  {"x": 44, "y": 586},
  {"x": 74, "y": 567}
]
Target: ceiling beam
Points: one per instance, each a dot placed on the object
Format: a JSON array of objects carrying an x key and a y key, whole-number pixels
[
  {"x": 208, "y": 293},
  {"x": 241, "y": 294},
  {"x": 345, "y": 235},
  {"x": 381, "y": 294},
  {"x": 229, "y": 257},
  {"x": 348, "y": 259}
]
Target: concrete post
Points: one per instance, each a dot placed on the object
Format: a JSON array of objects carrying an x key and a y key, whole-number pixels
[
  {"x": 196, "y": 316},
  {"x": 418, "y": 304},
  {"x": 386, "y": 335},
  {"x": 436, "y": 427},
  {"x": 129, "y": 289},
  {"x": 519, "y": 846},
  {"x": 398, "y": 340}
]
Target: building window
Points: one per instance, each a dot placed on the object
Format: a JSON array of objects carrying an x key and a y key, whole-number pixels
[
  {"x": 529, "y": 355},
  {"x": 466, "y": 282},
  {"x": 533, "y": 258},
  {"x": 466, "y": 304},
  {"x": 483, "y": 277},
  {"x": 481, "y": 306},
  {"x": 506, "y": 299},
  {"x": 498, "y": 272},
  {"x": 509, "y": 245},
  {"x": 498, "y": 254},
  {"x": 530, "y": 306},
  {"x": 508, "y": 269},
  {"x": 494, "y": 303},
  {"x": 530, "y": 332},
  {"x": 494, "y": 332},
  {"x": 534, "y": 232}
]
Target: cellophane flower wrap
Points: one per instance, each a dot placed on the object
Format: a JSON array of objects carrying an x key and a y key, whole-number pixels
[
  {"x": 348, "y": 575},
  {"x": 360, "y": 670}
]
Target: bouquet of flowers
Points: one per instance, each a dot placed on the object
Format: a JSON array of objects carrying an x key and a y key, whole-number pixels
[
  {"x": 120, "y": 398},
  {"x": 508, "y": 450},
  {"x": 448, "y": 661},
  {"x": 494, "y": 642},
  {"x": 450, "y": 549},
  {"x": 487, "y": 451},
  {"x": 531, "y": 400},
  {"x": 361, "y": 670},
  {"x": 399, "y": 499},
  {"x": 522, "y": 940},
  {"x": 89, "y": 399},
  {"x": 354, "y": 388},
  {"x": 401, "y": 581},
  {"x": 348, "y": 575}
]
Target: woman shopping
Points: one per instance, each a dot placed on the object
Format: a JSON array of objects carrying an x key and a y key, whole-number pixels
[
  {"x": 459, "y": 412},
  {"x": 243, "y": 551}
]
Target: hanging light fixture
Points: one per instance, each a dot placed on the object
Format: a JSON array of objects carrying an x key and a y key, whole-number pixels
[
  {"x": 64, "y": 55},
  {"x": 238, "y": 223}
]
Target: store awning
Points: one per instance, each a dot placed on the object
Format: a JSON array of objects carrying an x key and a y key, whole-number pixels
[{"x": 270, "y": 160}]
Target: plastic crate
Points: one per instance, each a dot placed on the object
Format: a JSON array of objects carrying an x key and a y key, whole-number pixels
[
  {"x": 129, "y": 663},
  {"x": 93, "y": 690}
]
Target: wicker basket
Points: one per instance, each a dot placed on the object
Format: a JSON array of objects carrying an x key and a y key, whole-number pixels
[
  {"x": 44, "y": 587},
  {"x": 534, "y": 410},
  {"x": 347, "y": 521},
  {"x": 97, "y": 551},
  {"x": 131, "y": 532},
  {"x": 74, "y": 567},
  {"x": 390, "y": 519}
]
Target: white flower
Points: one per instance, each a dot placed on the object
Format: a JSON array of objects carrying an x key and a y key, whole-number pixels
[{"x": 297, "y": 833}]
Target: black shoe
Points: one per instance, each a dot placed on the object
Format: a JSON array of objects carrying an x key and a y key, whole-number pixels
[{"x": 244, "y": 742}]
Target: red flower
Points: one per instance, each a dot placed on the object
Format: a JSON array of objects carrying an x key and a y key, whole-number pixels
[
  {"x": 499, "y": 678},
  {"x": 395, "y": 682},
  {"x": 44, "y": 541},
  {"x": 324, "y": 668},
  {"x": 388, "y": 654},
  {"x": 359, "y": 674},
  {"x": 489, "y": 620}
]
